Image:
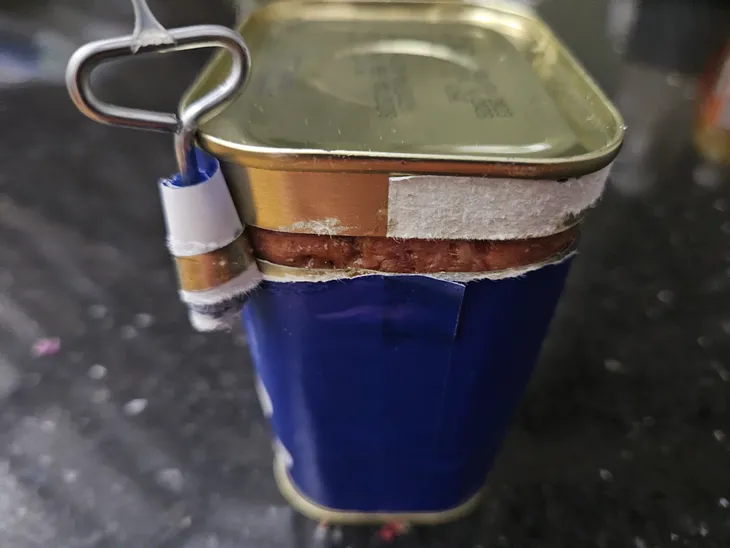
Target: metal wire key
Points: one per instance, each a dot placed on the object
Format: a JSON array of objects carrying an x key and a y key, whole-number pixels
[{"x": 151, "y": 37}]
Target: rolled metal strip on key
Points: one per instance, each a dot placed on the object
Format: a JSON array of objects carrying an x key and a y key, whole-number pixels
[
  {"x": 205, "y": 235},
  {"x": 213, "y": 269}
]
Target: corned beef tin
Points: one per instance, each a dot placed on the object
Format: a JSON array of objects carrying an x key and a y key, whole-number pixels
[{"x": 412, "y": 176}]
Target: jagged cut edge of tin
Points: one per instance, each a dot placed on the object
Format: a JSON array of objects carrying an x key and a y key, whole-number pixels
[{"x": 289, "y": 274}]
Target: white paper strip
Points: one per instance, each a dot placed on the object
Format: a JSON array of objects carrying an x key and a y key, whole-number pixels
[
  {"x": 245, "y": 282},
  {"x": 481, "y": 208},
  {"x": 199, "y": 218}
]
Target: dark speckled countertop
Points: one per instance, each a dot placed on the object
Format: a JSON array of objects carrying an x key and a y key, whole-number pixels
[{"x": 137, "y": 432}]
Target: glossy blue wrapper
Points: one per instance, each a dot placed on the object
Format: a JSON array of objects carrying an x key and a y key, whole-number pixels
[{"x": 392, "y": 394}]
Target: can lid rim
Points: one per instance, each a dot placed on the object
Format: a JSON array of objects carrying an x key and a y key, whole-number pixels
[{"x": 318, "y": 160}]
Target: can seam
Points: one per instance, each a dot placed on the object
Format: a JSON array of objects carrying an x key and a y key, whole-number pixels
[{"x": 318, "y": 512}]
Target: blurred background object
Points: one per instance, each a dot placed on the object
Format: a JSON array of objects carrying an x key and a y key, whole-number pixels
[
  {"x": 666, "y": 46},
  {"x": 712, "y": 127}
]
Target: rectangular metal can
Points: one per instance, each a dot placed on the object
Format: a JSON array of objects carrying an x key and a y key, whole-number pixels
[{"x": 412, "y": 175}]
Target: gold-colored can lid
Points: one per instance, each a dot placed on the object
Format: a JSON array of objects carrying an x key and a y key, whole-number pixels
[
  {"x": 422, "y": 86},
  {"x": 410, "y": 119}
]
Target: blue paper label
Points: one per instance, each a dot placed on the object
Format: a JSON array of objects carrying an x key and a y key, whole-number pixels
[{"x": 393, "y": 393}]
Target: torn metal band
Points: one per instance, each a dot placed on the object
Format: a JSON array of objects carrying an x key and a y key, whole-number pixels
[{"x": 405, "y": 206}]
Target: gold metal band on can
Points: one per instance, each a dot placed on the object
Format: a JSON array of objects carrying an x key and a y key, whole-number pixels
[
  {"x": 370, "y": 204},
  {"x": 215, "y": 268},
  {"x": 348, "y": 204}
]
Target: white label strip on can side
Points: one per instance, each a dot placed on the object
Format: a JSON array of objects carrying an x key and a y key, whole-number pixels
[{"x": 481, "y": 208}]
